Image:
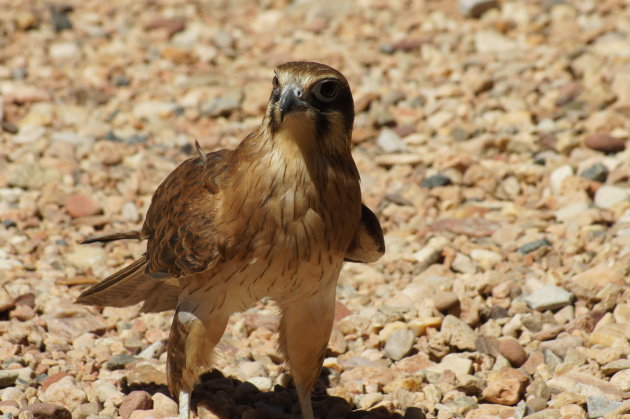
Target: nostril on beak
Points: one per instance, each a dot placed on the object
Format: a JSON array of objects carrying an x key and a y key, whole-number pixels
[{"x": 298, "y": 92}]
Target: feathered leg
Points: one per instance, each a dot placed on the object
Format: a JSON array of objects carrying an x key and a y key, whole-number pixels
[
  {"x": 304, "y": 333},
  {"x": 194, "y": 334}
]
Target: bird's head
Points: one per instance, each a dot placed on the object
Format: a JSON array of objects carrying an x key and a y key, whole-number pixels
[{"x": 312, "y": 103}]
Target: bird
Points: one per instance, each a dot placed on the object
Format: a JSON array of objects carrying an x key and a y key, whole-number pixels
[{"x": 275, "y": 217}]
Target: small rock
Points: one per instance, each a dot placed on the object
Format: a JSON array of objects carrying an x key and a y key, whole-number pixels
[
  {"x": 599, "y": 406},
  {"x": 261, "y": 383},
  {"x": 435, "y": 181},
  {"x": 470, "y": 226},
  {"x": 453, "y": 362},
  {"x": 445, "y": 300},
  {"x": 486, "y": 259},
  {"x": 64, "y": 51},
  {"x": 83, "y": 257},
  {"x": 119, "y": 362},
  {"x": 164, "y": 405},
  {"x": 513, "y": 351},
  {"x": 47, "y": 410},
  {"x": 80, "y": 205},
  {"x": 558, "y": 177},
  {"x": 531, "y": 246},
  {"x": 224, "y": 105},
  {"x": 460, "y": 335},
  {"x": 71, "y": 137},
  {"x": 608, "y": 196},
  {"x": 59, "y": 17},
  {"x": 505, "y": 386},
  {"x": 108, "y": 394},
  {"x": 597, "y": 172},
  {"x": 86, "y": 410},
  {"x": 145, "y": 373},
  {"x": 390, "y": 142},
  {"x": 616, "y": 366},
  {"x": 66, "y": 392},
  {"x": 28, "y": 176},
  {"x": 605, "y": 143},
  {"x": 549, "y": 297},
  {"x": 153, "y": 109},
  {"x": 8, "y": 378},
  {"x": 622, "y": 380},
  {"x": 476, "y": 8},
  {"x": 399, "y": 344}
]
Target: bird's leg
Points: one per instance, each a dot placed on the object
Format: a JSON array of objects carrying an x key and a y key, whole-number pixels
[
  {"x": 184, "y": 405},
  {"x": 304, "y": 333},
  {"x": 194, "y": 334}
]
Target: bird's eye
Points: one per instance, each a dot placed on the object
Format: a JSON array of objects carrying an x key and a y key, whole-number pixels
[
  {"x": 326, "y": 91},
  {"x": 275, "y": 82}
]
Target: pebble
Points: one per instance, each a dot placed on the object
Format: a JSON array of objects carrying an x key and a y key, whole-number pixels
[
  {"x": 80, "y": 205},
  {"x": 549, "y": 297},
  {"x": 445, "y": 300},
  {"x": 28, "y": 176},
  {"x": 608, "y": 196},
  {"x": 597, "y": 172},
  {"x": 65, "y": 392},
  {"x": 8, "y": 378},
  {"x": 435, "y": 181},
  {"x": 261, "y": 383},
  {"x": 513, "y": 351},
  {"x": 59, "y": 17},
  {"x": 71, "y": 138},
  {"x": 164, "y": 405},
  {"x": 599, "y": 406},
  {"x": 505, "y": 386},
  {"x": 558, "y": 177},
  {"x": 120, "y": 361},
  {"x": 399, "y": 343},
  {"x": 460, "y": 335},
  {"x": 86, "y": 256},
  {"x": 534, "y": 245},
  {"x": 223, "y": 105},
  {"x": 621, "y": 379},
  {"x": 605, "y": 143},
  {"x": 47, "y": 410},
  {"x": 616, "y": 366},
  {"x": 486, "y": 259},
  {"x": 390, "y": 142},
  {"x": 476, "y": 8}
]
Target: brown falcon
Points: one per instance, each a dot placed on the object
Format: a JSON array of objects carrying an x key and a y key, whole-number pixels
[{"x": 276, "y": 217}]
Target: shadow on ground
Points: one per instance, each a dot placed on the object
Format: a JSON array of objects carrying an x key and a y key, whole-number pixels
[{"x": 230, "y": 398}]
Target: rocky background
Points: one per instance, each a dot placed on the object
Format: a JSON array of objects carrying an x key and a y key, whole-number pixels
[{"x": 491, "y": 142}]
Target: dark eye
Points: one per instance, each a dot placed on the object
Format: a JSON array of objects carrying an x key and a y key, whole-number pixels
[
  {"x": 275, "y": 82},
  {"x": 326, "y": 91}
]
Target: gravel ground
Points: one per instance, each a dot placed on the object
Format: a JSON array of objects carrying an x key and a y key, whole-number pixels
[{"x": 493, "y": 149}]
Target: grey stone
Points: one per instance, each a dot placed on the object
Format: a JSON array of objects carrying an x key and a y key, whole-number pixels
[
  {"x": 223, "y": 105},
  {"x": 599, "y": 406},
  {"x": 390, "y": 142},
  {"x": 435, "y": 181},
  {"x": 597, "y": 172},
  {"x": 549, "y": 297},
  {"x": 399, "y": 344},
  {"x": 531, "y": 246}
]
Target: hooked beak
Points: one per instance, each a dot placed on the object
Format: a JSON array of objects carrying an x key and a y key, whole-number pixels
[{"x": 291, "y": 101}]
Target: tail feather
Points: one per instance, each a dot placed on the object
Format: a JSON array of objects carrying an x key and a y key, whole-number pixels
[
  {"x": 131, "y": 285},
  {"x": 131, "y": 234}
]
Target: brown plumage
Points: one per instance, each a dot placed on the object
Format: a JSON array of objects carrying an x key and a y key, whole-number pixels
[{"x": 276, "y": 217}]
